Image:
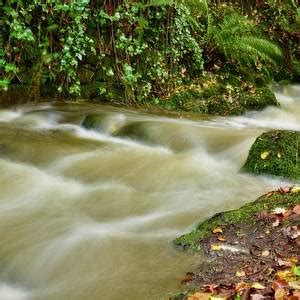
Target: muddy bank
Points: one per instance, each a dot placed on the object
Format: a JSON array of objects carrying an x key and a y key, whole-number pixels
[{"x": 254, "y": 250}]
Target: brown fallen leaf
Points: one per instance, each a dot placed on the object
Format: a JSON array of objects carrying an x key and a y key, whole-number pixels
[
  {"x": 279, "y": 284},
  {"x": 221, "y": 238},
  {"x": 296, "y": 293},
  {"x": 285, "y": 263},
  {"x": 287, "y": 275},
  {"x": 292, "y": 232},
  {"x": 284, "y": 190},
  {"x": 188, "y": 277},
  {"x": 296, "y": 209},
  {"x": 280, "y": 294},
  {"x": 241, "y": 286}
]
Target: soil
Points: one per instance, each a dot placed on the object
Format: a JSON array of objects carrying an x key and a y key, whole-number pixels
[{"x": 257, "y": 259}]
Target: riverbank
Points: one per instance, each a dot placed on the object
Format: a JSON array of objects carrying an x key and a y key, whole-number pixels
[
  {"x": 253, "y": 251},
  {"x": 214, "y": 94}
]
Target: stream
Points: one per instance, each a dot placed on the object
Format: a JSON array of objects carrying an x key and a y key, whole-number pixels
[{"x": 91, "y": 214}]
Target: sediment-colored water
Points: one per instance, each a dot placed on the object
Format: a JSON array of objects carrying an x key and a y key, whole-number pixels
[{"x": 92, "y": 214}]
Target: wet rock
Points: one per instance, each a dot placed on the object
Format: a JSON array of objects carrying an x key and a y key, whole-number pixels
[
  {"x": 135, "y": 131},
  {"x": 93, "y": 121},
  {"x": 275, "y": 153}
]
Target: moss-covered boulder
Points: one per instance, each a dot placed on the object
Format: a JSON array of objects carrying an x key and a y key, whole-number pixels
[
  {"x": 244, "y": 215},
  {"x": 275, "y": 153}
]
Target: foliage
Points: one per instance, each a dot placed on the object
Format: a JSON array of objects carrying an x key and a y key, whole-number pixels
[
  {"x": 146, "y": 49},
  {"x": 245, "y": 47}
]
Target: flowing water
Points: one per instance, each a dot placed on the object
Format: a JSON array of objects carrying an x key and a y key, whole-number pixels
[{"x": 92, "y": 214}]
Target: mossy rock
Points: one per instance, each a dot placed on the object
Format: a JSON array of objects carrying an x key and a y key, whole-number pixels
[
  {"x": 221, "y": 95},
  {"x": 94, "y": 121},
  {"x": 245, "y": 214},
  {"x": 275, "y": 153},
  {"x": 135, "y": 131}
]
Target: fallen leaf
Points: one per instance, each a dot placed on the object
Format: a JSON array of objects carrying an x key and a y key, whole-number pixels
[
  {"x": 292, "y": 232},
  {"x": 265, "y": 253},
  {"x": 296, "y": 209},
  {"x": 279, "y": 284},
  {"x": 221, "y": 238},
  {"x": 217, "y": 230},
  {"x": 295, "y": 189},
  {"x": 285, "y": 263},
  {"x": 296, "y": 270},
  {"x": 279, "y": 294},
  {"x": 215, "y": 247},
  {"x": 284, "y": 190},
  {"x": 188, "y": 277},
  {"x": 258, "y": 286},
  {"x": 264, "y": 154},
  {"x": 276, "y": 223},
  {"x": 279, "y": 210},
  {"x": 287, "y": 275},
  {"x": 242, "y": 286},
  {"x": 295, "y": 285},
  {"x": 240, "y": 273}
]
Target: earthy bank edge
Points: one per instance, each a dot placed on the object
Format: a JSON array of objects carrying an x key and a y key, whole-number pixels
[
  {"x": 275, "y": 153},
  {"x": 216, "y": 95},
  {"x": 249, "y": 251}
]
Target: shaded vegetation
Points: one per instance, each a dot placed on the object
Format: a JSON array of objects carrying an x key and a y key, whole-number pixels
[
  {"x": 275, "y": 153},
  {"x": 141, "y": 51}
]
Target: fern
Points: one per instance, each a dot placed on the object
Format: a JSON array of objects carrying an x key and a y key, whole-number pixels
[{"x": 241, "y": 42}]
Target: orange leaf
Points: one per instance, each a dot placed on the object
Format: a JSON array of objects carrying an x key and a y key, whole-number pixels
[
  {"x": 296, "y": 209},
  {"x": 217, "y": 230}
]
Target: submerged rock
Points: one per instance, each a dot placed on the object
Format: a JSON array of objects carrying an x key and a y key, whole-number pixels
[
  {"x": 93, "y": 121},
  {"x": 275, "y": 153}
]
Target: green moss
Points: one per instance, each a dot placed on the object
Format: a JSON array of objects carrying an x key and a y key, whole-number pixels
[
  {"x": 135, "y": 131},
  {"x": 275, "y": 153},
  {"x": 93, "y": 121},
  {"x": 244, "y": 214},
  {"x": 223, "y": 94}
]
